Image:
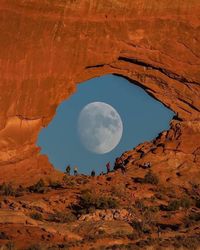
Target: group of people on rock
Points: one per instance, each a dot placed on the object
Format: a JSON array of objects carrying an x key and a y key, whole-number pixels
[
  {"x": 119, "y": 164},
  {"x": 68, "y": 170}
]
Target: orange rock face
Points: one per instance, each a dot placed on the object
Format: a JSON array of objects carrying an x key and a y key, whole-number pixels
[{"x": 47, "y": 47}]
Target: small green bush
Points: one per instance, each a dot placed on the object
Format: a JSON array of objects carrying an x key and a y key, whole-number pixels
[
  {"x": 61, "y": 217},
  {"x": 136, "y": 225},
  {"x": 140, "y": 227},
  {"x": 139, "y": 204},
  {"x": 191, "y": 243},
  {"x": 3, "y": 236},
  {"x": 176, "y": 204},
  {"x": 119, "y": 190},
  {"x": 159, "y": 196},
  {"x": 197, "y": 203},
  {"x": 89, "y": 201},
  {"x": 69, "y": 181},
  {"x": 194, "y": 217},
  {"x": 151, "y": 178},
  {"x": 100, "y": 202},
  {"x": 36, "y": 216},
  {"x": 120, "y": 234},
  {"x": 39, "y": 187},
  {"x": 153, "y": 209},
  {"x": 173, "y": 205},
  {"x": 10, "y": 245},
  {"x": 20, "y": 191},
  {"x": 34, "y": 247},
  {"x": 185, "y": 202},
  {"x": 7, "y": 190},
  {"x": 55, "y": 185}
]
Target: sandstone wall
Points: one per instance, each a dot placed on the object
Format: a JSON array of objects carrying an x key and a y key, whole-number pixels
[{"x": 47, "y": 47}]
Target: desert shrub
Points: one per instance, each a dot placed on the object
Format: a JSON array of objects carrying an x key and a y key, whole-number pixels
[
  {"x": 3, "y": 236},
  {"x": 89, "y": 201},
  {"x": 61, "y": 217},
  {"x": 185, "y": 202},
  {"x": 138, "y": 180},
  {"x": 36, "y": 216},
  {"x": 173, "y": 205},
  {"x": 109, "y": 178},
  {"x": 176, "y": 204},
  {"x": 133, "y": 236},
  {"x": 194, "y": 217},
  {"x": 55, "y": 184},
  {"x": 7, "y": 190},
  {"x": 140, "y": 227},
  {"x": 69, "y": 181},
  {"x": 85, "y": 191},
  {"x": 197, "y": 203},
  {"x": 118, "y": 190},
  {"x": 65, "y": 178},
  {"x": 139, "y": 204},
  {"x": 120, "y": 234},
  {"x": 82, "y": 180},
  {"x": 10, "y": 245},
  {"x": 153, "y": 209},
  {"x": 191, "y": 243},
  {"x": 166, "y": 191},
  {"x": 39, "y": 187},
  {"x": 20, "y": 191},
  {"x": 159, "y": 196},
  {"x": 173, "y": 227},
  {"x": 101, "y": 231},
  {"x": 34, "y": 247},
  {"x": 151, "y": 178},
  {"x": 136, "y": 225}
]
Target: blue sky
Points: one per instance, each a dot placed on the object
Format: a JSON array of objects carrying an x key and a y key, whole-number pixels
[{"x": 143, "y": 118}]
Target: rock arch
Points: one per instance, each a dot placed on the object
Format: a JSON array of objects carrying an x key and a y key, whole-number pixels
[{"x": 47, "y": 47}]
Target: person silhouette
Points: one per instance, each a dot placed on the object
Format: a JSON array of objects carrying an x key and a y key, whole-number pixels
[
  {"x": 93, "y": 173},
  {"x": 68, "y": 169},
  {"x": 75, "y": 171},
  {"x": 108, "y": 167}
]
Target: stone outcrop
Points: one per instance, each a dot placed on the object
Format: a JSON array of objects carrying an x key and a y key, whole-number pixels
[
  {"x": 13, "y": 217},
  {"x": 47, "y": 47},
  {"x": 107, "y": 215}
]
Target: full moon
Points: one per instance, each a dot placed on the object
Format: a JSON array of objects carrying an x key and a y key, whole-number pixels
[{"x": 100, "y": 127}]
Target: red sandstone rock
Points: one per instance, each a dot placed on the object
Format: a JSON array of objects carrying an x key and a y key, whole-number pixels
[
  {"x": 12, "y": 217},
  {"x": 47, "y": 47}
]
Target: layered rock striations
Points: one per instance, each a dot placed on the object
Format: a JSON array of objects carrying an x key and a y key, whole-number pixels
[{"x": 47, "y": 47}]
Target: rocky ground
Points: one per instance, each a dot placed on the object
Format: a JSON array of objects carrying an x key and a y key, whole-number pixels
[{"x": 155, "y": 208}]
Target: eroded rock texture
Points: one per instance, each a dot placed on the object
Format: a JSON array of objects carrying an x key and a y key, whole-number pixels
[{"x": 47, "y": 47}]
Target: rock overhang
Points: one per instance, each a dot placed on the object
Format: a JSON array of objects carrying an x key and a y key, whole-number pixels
[{"x": 46, "y": 48}]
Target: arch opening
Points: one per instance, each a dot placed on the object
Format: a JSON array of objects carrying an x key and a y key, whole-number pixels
[{"x": 142, "y": 116}]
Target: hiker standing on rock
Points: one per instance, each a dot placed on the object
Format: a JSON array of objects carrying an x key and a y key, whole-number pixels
[
  {"x": 93, "y": 173},
  {"x": 68, "y": 169},
  {"x": 75, "y": 171},
  {"x": 108, "y": 167}
]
